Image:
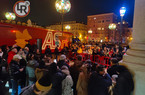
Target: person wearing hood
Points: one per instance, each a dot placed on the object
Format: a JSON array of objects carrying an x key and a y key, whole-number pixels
[{"x": 67, "y": 83}]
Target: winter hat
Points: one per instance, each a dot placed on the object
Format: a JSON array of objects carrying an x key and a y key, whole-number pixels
[
  {"x": 17, "y": 56},
  {"x": 64, "y": 67},
  {"x": 114, "y": 77},
  {"x": 52, "y": 68},
  {"x": 44, "y": 84},
  {"x": 62, "y": 57},
  {"x": 65, "y": 70}
]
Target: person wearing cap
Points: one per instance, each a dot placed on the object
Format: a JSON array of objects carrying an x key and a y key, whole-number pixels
[
  {"x": 14, "y": 71},
  {"x": 49, "y": 84}
]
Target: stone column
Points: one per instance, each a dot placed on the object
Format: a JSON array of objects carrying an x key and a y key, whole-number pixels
[{"x": 135, "y": 58}]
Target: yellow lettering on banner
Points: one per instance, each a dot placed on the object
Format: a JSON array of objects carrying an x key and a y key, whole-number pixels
[
  {"x": 50, "y": 39},
  {"x": 64, "y": 43}
]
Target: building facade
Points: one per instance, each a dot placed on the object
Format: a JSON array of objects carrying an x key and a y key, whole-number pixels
[
  {"x": 126, "y": 32},
  {"x": 79, "y": 30},
  {"x": 98, "y": 24}
]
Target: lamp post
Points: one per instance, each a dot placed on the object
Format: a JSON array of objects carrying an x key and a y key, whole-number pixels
[
  {"x": 90, "y": 32},
  {"x": 112, "y": 27},
  {"x": 10, "y": 16},
  {"x": 122, "y": 13},
  {"x": 67, "y": 27},
  {"x": 62, "y": 6}
]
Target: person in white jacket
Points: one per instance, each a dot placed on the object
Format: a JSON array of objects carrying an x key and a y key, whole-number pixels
[{"x": 67, "y": 83}]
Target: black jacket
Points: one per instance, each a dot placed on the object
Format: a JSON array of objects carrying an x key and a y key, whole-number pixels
[
  {"x": 14, "y": 70},
  {"x": 124, "y": 84},
  {"x": 98, "y": 84},
  {"x": 56, "y": 51},
  {"x": 56, "y": 88},
  {"x": 112, "y": 70},
  {"x": 61, "y": 63},
  {"x": 48, "y": 51}
]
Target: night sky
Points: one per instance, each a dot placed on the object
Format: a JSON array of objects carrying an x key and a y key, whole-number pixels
[{"x": 43, "y": 12}]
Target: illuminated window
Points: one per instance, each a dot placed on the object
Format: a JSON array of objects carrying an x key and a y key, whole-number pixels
[{"x": 99, "y": 28}]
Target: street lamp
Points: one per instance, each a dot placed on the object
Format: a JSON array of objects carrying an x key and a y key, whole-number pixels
[
  {"x": 112, "y": 26},
  {"x": 62, "y": 6},
  {"x": 10, "y": 16},
  {"x": 67, "y": 27},
  {"x": 90, "y": 32},
  {"x": 122, "y": 13},
  {"x": 80, "y": 37}
]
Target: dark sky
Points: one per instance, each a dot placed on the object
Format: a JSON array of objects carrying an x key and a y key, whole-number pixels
[{"x": 43, "y": 12}]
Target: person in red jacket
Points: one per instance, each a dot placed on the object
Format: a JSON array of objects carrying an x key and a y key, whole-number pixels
[{"x": 11, "y": 54}]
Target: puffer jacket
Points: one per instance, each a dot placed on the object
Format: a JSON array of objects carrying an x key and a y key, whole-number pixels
[{"x": 14, "y": 70}]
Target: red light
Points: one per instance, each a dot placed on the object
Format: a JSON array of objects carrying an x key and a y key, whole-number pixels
[
  {"x": 87, "y": 37},
  {"x": 13, "y": 31}
]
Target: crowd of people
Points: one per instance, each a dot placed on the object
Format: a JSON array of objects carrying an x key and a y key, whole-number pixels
[
  {"x": 108, "y": 50},
  {"x": 50, "y": 73}
]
